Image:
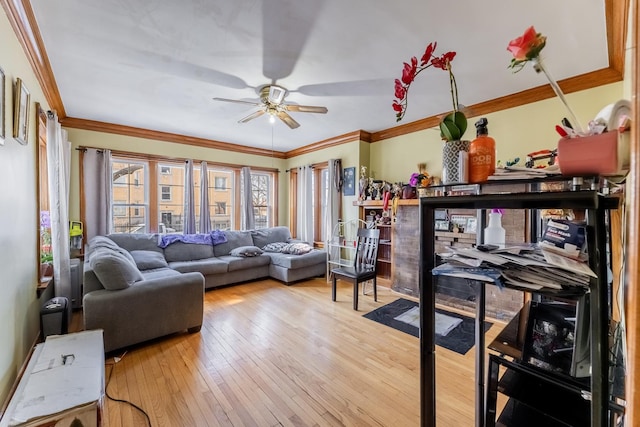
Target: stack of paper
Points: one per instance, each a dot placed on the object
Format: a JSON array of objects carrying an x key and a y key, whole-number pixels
[
  {"x": 526, "y": 267},
  {"x": 518, "y": 172}
]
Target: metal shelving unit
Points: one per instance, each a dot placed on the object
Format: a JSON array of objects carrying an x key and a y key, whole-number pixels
[{"x": 596, "y": 206}]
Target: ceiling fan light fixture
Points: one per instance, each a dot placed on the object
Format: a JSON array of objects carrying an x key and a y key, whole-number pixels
[{"x": 272, "y": 118}]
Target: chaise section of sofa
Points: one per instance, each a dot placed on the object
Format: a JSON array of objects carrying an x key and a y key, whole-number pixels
[{"x": 134, "y": 296}]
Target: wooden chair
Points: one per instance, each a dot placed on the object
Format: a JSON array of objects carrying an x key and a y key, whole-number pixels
[{"x": 364, "y": 266}]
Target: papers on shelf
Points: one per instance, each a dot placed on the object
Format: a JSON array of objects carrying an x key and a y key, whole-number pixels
[
  {"x": 518, "y": 172},
  {"x": 529, "y": 267},
  {"x": 472, "y": 273}
]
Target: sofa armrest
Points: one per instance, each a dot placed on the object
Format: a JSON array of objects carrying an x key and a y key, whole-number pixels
[{"x": 148, "y": 309}]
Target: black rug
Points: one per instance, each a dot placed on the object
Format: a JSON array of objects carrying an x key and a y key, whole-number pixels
[{"x": 461, "y": 339}]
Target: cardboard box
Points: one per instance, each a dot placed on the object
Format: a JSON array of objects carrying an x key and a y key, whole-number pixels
[{"x": 63, "y": 382}]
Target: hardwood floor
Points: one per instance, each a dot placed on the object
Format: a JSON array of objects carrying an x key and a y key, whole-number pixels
[{"x": 276, "y": 355}]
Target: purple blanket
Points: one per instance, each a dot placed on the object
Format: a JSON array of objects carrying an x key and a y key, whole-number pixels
[{"x": 214, "y": 238}]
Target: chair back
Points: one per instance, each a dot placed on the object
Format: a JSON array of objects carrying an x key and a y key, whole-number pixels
[{"x": 367, "y": 249}]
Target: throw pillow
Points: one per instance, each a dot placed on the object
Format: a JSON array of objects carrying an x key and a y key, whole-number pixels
[
  {"x": 275, "y": 247},
  {"x": 148, "y": 260},
  {"x": 101, "y": 242},
  {"x": 297, "y": 248},
  {"x": 114, "y": 270},
  {"x": 246, "y": 251}
]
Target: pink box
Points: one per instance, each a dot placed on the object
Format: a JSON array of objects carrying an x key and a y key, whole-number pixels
[{"x": 605, "y": 154}]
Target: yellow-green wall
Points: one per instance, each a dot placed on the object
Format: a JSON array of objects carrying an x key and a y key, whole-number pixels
[{"x": 19, "y": 310}]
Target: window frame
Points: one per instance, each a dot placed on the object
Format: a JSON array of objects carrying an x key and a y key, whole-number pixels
[{"x": 154, "y": 161}]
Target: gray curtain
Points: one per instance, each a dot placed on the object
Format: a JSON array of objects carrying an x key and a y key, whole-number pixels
[
  {"x": 304, "y": 211},
  {"x": 189, "y": 202},
  {"x": 332, "y": 213},
  {"x": 247, "y": 220},
  {"x": 205, "y": 221},
  {"x": 97, "y": 184},
  {"x": 58, "y": 161}
]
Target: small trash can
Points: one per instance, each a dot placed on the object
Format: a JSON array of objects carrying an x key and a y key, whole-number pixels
[{"x": 53, "y": 317}]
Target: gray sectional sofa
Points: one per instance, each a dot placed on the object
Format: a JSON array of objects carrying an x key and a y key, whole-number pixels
[{"x": 136, "y": 290}]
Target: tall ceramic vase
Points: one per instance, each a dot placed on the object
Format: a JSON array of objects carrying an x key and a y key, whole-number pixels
[{"x": 452, "y": 167}]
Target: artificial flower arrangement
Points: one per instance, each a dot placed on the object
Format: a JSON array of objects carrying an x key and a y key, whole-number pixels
[
  {"x": 420, "y": 180},
  {"x": 454, "y": 124},
  {"x": 528, "y": 48}
]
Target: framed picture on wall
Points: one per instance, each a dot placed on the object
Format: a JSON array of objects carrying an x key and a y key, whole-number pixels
[
  {"x": 349, "y": 181},
  {"x": 2, "y": 107},
  {"x": 21, "y": 112}
]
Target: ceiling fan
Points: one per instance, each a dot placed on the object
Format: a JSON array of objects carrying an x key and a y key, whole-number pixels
[{"x": 272, "y": 103}]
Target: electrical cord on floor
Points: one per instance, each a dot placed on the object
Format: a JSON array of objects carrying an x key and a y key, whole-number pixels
[{"x": 106, "y": 389}]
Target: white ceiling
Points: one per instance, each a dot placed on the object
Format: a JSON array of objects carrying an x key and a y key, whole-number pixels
[{"x": 157, "y": 64}]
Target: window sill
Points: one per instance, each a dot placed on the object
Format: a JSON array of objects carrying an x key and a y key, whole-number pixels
[{"x": 43, "y": 285}]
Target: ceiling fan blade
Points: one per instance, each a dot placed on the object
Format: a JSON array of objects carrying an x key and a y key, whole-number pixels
[
  {"x": 370, "y": 87},
  {"x": 288, "y": 119},
  {"x": 286, "y": 25},
  {"x": 305, "y": 108},
  {"x": 237, "y": 101},
  {"x": 252, "y": 116}
]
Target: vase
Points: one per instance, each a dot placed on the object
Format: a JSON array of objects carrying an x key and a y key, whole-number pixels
[{"x": 451, "y": 166}]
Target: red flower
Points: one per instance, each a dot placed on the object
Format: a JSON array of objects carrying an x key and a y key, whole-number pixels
[
  {"x": 401, "y": 92},
  {"x": 526, "y": 48},
  {"x": 442, "y": 61},
  {"x": 409, "y": 71},
  {"x": 428, "y": 53}
]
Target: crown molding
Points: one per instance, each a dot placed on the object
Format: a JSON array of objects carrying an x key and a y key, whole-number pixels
[
  {"x": 75, "y": 123},
  {"x": 358, "y": 135},
  {"x": 23, "y": 22}
]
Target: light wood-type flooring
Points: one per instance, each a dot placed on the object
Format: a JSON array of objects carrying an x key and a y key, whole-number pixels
[{"x": 275, "y": 355}]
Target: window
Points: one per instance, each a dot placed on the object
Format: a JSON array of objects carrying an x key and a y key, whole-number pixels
[
  {"x": 119, "y": 208},
  {"x": 165, "y": 192},
  {"x": 220, "y": 183},
  {"x": 171, "y": 197},
  {"x": 221, "y": 208},
  {"x": 129, "y": 204},
  {"x": 148, "y": 195},
  {"x": 320, "y": 201},
  {"x": 221, "y": 203},
  {"x": 262, "y": 195}
]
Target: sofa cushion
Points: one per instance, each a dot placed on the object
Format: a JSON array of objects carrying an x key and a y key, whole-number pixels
[
  {"x": 235, "y": 239},
  {"x": 180, "y": 251},
  {"x": 134, "y": 241},
  {"x": 158, "y": 273},
  {"x": 113, "y": 269},
  {"x": 204, "y": 266},
  {"x": 275, "y": 246},
  {"x": 148, "y": 260},
  {"x": 242, "y": 263},
  {"x": 246, "y": 251},
  {"x": 264, "y": 236},
  {"x": 298, "y": 261}
]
